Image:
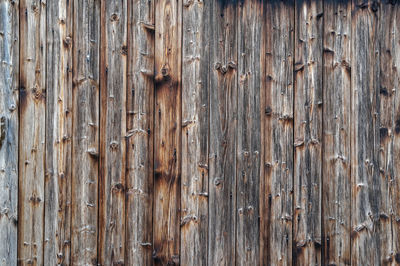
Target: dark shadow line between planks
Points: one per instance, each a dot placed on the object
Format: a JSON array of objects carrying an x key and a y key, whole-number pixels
[{"x": 293, "y": 129}]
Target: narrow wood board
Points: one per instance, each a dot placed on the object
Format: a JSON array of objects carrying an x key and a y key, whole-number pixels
[
  {"x": 195, "y": 126},
  {"x": 32, "y": 113}
]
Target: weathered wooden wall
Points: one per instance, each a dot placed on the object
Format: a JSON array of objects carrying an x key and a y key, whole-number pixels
[{"x": 194, "y": 132}]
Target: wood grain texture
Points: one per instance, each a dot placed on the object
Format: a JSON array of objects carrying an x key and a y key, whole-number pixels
[
  {"x": 336, "y": 132},
  {"x": 139, "y": 138},
  {"x": 276, "y": 184},
  {"x": 167, "y": 132},
  {"x": 113, "y": 84},
  {"x": 195, "y": 126},
  {"x": 85, "y": 138},
  {"x": 308, "y": 132},
  {"x": 9, "y": 124},
  {"x": 248, "y": 133},
  {"x": 391, "y": 81},
  {"x": 223, "y": 133},
  {"x": 32, "y": 115},
  {"x": 369, "y": 206},
  {"x": 58, "y": 133}
]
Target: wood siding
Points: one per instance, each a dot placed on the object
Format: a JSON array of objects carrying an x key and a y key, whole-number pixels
[{"x": 199, "y": 132}]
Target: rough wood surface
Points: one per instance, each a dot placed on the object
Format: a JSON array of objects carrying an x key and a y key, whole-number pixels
[
  {"x": 223, "y": 133},
  {"x": 167, "y": 132},
  {"x": 308, "y": 132},
  {"x": 113, "y": 82},
  {"x": 32, "y": 131},
  {"x": 248, "y": 133},
  {"x": 58, "y": 133},
  {"x": 198, "y": 132},
  {"x": 9, "y": 82},
  {"x": 336, "y": 133},
  {"x": 195, "y": 122},
  {"x": 276, "y": 196},
  {"x": 139, "y": 138},
  {"x": 390, "y": 63},
  {"x": 85, "y": 133},
  {"x": 369, "y": 207}
]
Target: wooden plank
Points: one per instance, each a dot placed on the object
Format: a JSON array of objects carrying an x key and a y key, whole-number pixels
[
  {"x": 9, "y": 82},
  {"x": 113, "y": 82},
  {"x": 336, "y": 132},
  {"x": 85, "y": 139},
  {"x": 58, "y": 133},
  {"x": 391, "y": 80},
  {"x": 308, "y": 132},
  {"x": 167, "y": 132},
  {"x": 32, "y": 131},
  {"x": 369, "y": 207},
  {"x": 276, "y": 184},
  {"x": 195, "y": 122},
  {"x": 223, "y": 134},
  {"x": 387, "y": 110},
  {"x": 140, "y": 126},
  {"x": 248, "y": 133}
]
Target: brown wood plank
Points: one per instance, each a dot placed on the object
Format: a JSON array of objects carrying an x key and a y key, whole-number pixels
[
  {"x": 167, "y": 132},
  {"x": 139, "y": 139},
  {"x": 336, "y": 132},
  {"x": 308, "y": 132},
  {"x": 85, "y": 133},
  {"x": 223, "y": 134},
  {"x": 391, "y": 80},
  {"x": 195, "y": 122},
  {"x": 276, "y": 196},
  {"x": 9, "y": 122},
  {"x": 248, "y": 133},
  {"x": 113, "y": 82},
  {"x": 58, "y": 133},
  {"x": 32, "y": 131}
]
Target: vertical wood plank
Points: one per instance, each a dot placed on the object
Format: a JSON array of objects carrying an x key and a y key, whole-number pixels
[
  {"x": 113, "y": 82},
  {"x": 223, "y": 125},
  {"x": 388, "y": 50},
  {"x": 370, "y": 213},
  {"x": 139, "y": 139},
  {"x": 85, "y": 140},
  {"x": 336, "y": 132},
  {"x": 9, "y": 82},
  {"x": 195, "y": 122},
  {"x": 391, "y": 79},
  {"x": 58, "y": 133},
  {"x": 276, "y": 196},
  {"x": 248, "y": 133},
  {"x": 167, "y": 132},
  {"x": 32, "y": 131},
  {"x": 308, "y": 132}
]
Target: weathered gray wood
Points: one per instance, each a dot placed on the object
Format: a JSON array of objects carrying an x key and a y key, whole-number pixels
[
  {"x": 248, "y": 133},
  {"x": 223, "y": 133},
  {"x": 9, "y": 82},
  {"x": 139, "y": 139},
  {"x": 336, "y": 132},
  {"x": 369, "y": 206},
  {"x": 167, "y": 132},
  {"x": 32, "y": 131},
  {"x": 113, "y": 82},
  {"x": 308, "y": 132},
  {"x": 85, "y": 133},
  {"x": 58, "y": 133},
  {"x": 276, "y": 184},
  {"x": 195, "y": 125},
  {"x": 391, "y": 69}
]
